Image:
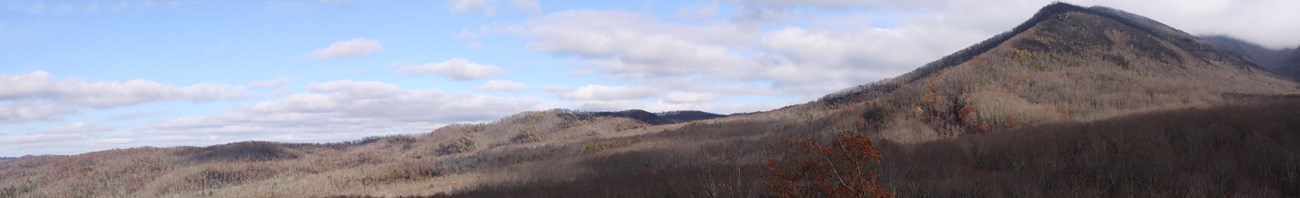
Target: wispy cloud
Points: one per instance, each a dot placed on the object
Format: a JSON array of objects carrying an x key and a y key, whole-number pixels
[
  {"x": 605, "y": 92},
  {"x": 680, "y": 97},
  {"x": 38, "y": 96},
  {"x": 485, "y": 7},
  {"x": 27, "y": 111},
  {"x": 71, "y": 132},
  {"x": 40, "y": 86},
  {"x": 531, "y": 6},
  {"x": 350, "y": 48},
  {"x": 342, "y": 110},
  {"x": 455, "y": 69}
]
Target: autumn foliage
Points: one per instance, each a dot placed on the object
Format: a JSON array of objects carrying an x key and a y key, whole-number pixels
[{"x": 844, "y": 168}]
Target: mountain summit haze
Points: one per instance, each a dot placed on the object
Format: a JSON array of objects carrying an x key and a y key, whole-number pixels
[{"x": 1072, "y": 102}]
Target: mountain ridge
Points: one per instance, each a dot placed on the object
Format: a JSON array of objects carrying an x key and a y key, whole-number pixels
[
  {"x": 667, "y": 117},
  {"x": 1279, "y": 61},
  {"x": 1067, "y": 65}
]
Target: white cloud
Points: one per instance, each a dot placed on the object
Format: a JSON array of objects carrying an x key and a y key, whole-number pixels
[
  {"x": 30, "y": 111},
  {"x": 827, "y": 45},
  {"x": 698, "y": 12},
  {"x": 758, "y": 15},
  {"x": 870, "y": 48},
  {"x": 78, "y": 128},
  {"x": 531, "y": 6},
  {"x": 350, "y": 48},
  {"x": 1266, "y": 22},
  {"x": 486, "y": 7},
  {"x": 793, "y": 47},
  {"x": 37, "y": 138},
  {"x": 454, "y": 68},
  {"x": 38, "y": 96},
  {"x": 40, "y": 86},
  {"x": 116, "y": 140},
  {"x": 131, "y": 92},
  {"x": 489, "y": 7},
  {"x": 336, "y": 111},
  {"x": 503, "y": 85},
  {"x": 824, "y": 60},
  {"x": 1270, "y": 23},
  {"x": 815, "y": 3},
  {"x": 135, "y": 115},
  {"x": 604, "y": 92},
  {"x": 635, "y": 46},
  {"x": 65, "y": 133},
  {"x": 70, "y": 138},
  {"x": 794, "y": 60},
  {"x": 679, "y": 97}
]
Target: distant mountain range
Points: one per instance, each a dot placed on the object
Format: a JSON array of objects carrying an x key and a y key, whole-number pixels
[
  {"x": 1061, "y": 105},
  {"x": 649, "y": 118},
  {"x": 1284, "y": 62}
]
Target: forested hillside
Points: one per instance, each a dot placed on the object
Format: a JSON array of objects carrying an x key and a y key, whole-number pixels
[{"x": 1090, "y": 102}]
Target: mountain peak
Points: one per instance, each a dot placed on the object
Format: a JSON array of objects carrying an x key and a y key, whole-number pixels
[
  {"x": 1066, "y": 63},
  {"x": 1058, "y": 8}
]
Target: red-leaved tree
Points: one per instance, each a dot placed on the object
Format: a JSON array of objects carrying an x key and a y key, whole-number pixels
[{"x": 810, "y": 168}]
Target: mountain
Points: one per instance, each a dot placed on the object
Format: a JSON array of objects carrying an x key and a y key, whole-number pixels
[
  {"x": 1278, "y": 61},
  {"x": 670, "y": 117},
  {"x": 1295, "y": 59},
  {"x": 1074, "y": 101},
  {"x": 1066, "y": 63},
  {"x": 1244, "y": 150},
  {"x": 563, "y": 125}
]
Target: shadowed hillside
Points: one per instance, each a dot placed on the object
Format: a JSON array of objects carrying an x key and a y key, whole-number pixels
[
  {"x": 1228, "y": 151},
  {"x": 1294, "y": 61}
]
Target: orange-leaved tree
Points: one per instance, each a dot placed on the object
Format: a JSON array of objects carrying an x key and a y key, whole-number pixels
[{"x": 810, "y": 168}]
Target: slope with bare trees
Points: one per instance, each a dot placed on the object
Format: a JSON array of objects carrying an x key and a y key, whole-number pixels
[
  {"x": 1067, "y": 63},
  {"x": 1084, "y": 101}
]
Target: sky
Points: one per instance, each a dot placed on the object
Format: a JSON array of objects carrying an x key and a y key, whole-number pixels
[{"x": 85, "y": 75}]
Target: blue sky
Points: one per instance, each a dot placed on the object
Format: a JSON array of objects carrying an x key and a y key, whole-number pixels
[{"x": 80, "y": 76}]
